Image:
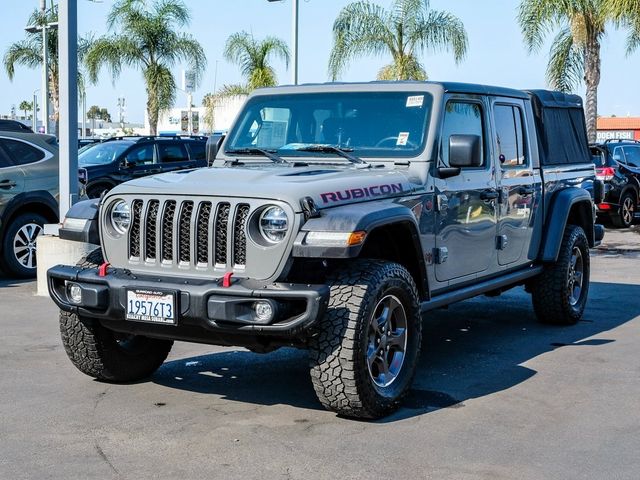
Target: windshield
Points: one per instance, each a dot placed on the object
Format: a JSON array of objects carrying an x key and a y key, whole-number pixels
[
  {"x": 103, "y": 153},
  {"x": 369, "y": 124}
]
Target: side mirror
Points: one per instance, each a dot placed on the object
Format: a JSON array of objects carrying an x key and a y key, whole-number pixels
[
  {"x": 465, "y": 151},
  {"x": 213, "y": 146},
  {"x": 127, "y": 164}
]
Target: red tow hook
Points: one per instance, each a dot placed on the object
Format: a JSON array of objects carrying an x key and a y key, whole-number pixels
[
  {"x": 102, "y": 270},
  {"x": 226, "y": 280}
]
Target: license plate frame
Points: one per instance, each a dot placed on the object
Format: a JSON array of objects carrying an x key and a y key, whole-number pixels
[{"x": 156, "y": 306}]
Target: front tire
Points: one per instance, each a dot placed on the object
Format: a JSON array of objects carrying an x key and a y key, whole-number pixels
[
  {"x": 107, "y": 355},
  {"x": 560, "y": 292},
  {"x": 364, "y": 355}
]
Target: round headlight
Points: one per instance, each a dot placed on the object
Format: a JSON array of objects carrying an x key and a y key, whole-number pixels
[
  {"x": 121, "y": 217},
  {"x": 274, "y": 224}
]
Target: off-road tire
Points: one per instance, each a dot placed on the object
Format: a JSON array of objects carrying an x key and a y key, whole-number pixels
[
  {"x": 8, "y": 259},
  {"x": 623, "y": 218},
  {"x": 107, "y": 355},
  {"x": 339, "y": 368},
  {"x": 550, "y": 291}
]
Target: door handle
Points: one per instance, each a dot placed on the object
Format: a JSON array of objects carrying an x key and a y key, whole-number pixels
[
  {"x": 7, "y": 184},
  {"x": 489, "y": 195},
  {"x": 526, "y": 190}
]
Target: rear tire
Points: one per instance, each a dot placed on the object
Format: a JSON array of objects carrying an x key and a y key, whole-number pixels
[
  {"x": 19, "y": 245},
  {"x": 560, "y": 292},
  {"x": 107, "y": 355},
  {"x": 626, "y": 212},
  {"x": 364, "y": 355}
]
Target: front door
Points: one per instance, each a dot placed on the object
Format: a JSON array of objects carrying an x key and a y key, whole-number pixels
[
  {"x": 519, "y": 189},
  {"x": 466, "y": 203}
]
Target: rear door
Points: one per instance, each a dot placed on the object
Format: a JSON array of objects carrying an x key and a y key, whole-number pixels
[
  {"x": 519, "y": 189},
  {"x": 140, "y": 161},
  {"x": 466, "y": 203},
  {"x": 11, "y": 177},
  {"x": 173, "y": 156}
]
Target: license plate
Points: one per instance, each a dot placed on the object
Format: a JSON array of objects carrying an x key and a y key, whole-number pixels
[{"x": 151, "y": 306}]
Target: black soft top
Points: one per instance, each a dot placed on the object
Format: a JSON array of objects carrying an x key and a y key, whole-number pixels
[{"x": 562, "y": 132}]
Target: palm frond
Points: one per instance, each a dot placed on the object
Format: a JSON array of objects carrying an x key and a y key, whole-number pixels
[
  {"x": 21, "y": 53},
  {"x": 361, "y": 29},
  {"x": 439, "y": 31},
  {"x": 565, "y": 70}
]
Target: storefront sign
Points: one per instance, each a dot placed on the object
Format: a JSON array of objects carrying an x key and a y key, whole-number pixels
[{"x": 615, "y": 135}]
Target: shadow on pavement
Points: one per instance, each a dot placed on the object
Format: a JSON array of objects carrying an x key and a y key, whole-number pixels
[{"x": 470, "y": 350}]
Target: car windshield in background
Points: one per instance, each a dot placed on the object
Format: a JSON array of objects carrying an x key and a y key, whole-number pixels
[
  {"x": 369, "y": 124},
  {"x": 103, "y": 153}
]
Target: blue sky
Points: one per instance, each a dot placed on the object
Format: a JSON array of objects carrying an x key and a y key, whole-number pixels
[{"x": 496, "y": 55}]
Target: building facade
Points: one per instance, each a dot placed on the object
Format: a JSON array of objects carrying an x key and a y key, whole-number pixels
[{"x": 618, "y": 128}]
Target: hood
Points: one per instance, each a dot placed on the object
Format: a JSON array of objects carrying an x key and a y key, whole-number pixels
[{"x": 328, "y": 185}]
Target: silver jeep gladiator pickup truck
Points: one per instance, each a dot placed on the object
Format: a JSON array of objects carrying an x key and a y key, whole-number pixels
[{"x": 334, "y": 218}]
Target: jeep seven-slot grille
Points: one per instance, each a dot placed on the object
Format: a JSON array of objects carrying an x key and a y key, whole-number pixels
[{"x": 197, "y": 233}]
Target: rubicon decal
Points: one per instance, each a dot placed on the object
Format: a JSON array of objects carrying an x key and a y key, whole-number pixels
[{"x": 362, "y": 192}]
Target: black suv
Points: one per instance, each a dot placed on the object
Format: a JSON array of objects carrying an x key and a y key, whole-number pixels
[
  {"x": 618, "y": 166},
  {"x": 117, "y": 160}
]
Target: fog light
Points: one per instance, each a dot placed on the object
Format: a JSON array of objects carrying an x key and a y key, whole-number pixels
[
  {"x": 75, "y": 293},
  {"x": 264, "y": 311}
]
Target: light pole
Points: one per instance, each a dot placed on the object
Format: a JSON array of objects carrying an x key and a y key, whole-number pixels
[
  {"x": 34, "y": 117},
  {"x": 45, "y": 61},
  {"x": 294, "y": 37}
]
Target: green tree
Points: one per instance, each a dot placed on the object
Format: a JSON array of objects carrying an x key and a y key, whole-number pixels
[
  {"x": 96, "y": 113},
  {"x": 253, "y": 57},
  {"x": 25, "y": 106},
  {"x": 408, "y": 28},
  {"x": 627, "y": 13},
  {"x": 575, "y": 54},
  {"x": 28, "y": 53},
  {"x": 147, "y": 36}
]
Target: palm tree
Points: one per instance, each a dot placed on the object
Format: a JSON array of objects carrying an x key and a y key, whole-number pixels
[
  {"x": 25, "y": 106},
  {"x": 146, "y": 37},
  {"x": 28, "y": 53},
  {"x": 253, "y": 58},
  {"x": 575, "y": 52},
  {"x": 627, "y": 13},
  {"x": 408, "y": 28}
]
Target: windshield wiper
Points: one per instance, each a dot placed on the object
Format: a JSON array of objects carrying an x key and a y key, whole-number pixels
[
  {"x": 257, "y": 151},
  {"x": 342, "y": 151}
]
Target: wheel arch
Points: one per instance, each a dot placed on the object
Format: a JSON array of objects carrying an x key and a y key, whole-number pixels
[
  {"x": 570, "y": 206},
  {"x": 40, "y": 202}
]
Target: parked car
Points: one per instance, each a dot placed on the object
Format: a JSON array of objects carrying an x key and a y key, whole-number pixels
[
  {"x": 618, "y": 166},
  {"x": 14, "y": 126},
  {"x": 104, "y": 165},
  {"x": 28, "y": 197},
  {"x": 334, "y": 217}
]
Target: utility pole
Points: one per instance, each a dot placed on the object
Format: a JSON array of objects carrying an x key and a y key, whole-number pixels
[
  {"x": 68, "y": 52},
  {"x": 34, "y": 120},
  {"x": 45, "y": 68},
  {"x": 294, "y": 28}
]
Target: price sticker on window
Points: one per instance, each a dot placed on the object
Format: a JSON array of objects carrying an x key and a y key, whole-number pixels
[
  {"x": 403, "y": 138},
  {"x": 415, "y": 101}
]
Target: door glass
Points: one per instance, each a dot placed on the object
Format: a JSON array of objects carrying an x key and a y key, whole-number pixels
[
  {"x": 22, "y": 153},
  {"x": 198, "y": 151},
  {"x": 632, "y": 155},
  {"x": 461, "y": 118},
  {"x": 5, "y": 161},
  {"x": 509, "y": 136},
  {"x": 174, "y": 152},
  {"x": 141, "y": 155}
]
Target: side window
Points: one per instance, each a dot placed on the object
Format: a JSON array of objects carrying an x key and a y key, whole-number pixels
[
  {"x": 22, "y": 153},
  {"x": 461, "y": 118},
  {"x": 197, "y": 151},
  {"x": 632, "y": 155},
  {"x": 618, "y": 156},
  {"x": 172, "y": 152},
  {"x": 509, "y": 136},
  {"x": 5, "y": 161},
  {"x": 141, "y": 155}
]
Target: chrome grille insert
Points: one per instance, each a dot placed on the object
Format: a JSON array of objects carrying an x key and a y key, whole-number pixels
[
  {"x": 134, "y": 230},
  {"x": 240, "y": 235},
  {"x": 150, "y": 230},
  {"x": 202, "y": 233},
  {"x": 221, "y": 226},
  {"x": 167, "y": 230},
  {"x": 184, "y": 239}
]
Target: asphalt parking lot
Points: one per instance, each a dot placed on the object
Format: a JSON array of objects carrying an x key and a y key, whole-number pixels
[{"x": 497, "y": 396}]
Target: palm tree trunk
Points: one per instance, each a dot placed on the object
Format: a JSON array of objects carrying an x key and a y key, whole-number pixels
[
  {"x": 592, "y": 80},
  {"x": 152, "y": 111}
]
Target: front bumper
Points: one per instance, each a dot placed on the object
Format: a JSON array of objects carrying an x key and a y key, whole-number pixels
[{"x": 205, "y": 309}]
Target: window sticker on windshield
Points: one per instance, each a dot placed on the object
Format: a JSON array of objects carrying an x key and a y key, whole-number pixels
[
  {"x": 415, "y": 101},
  {"x": 403, "y": 138},
  {"x": 272, "y": 134}
]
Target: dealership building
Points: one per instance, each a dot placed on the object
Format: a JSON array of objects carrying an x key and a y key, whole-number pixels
[{"x": 618, "y": 128}]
